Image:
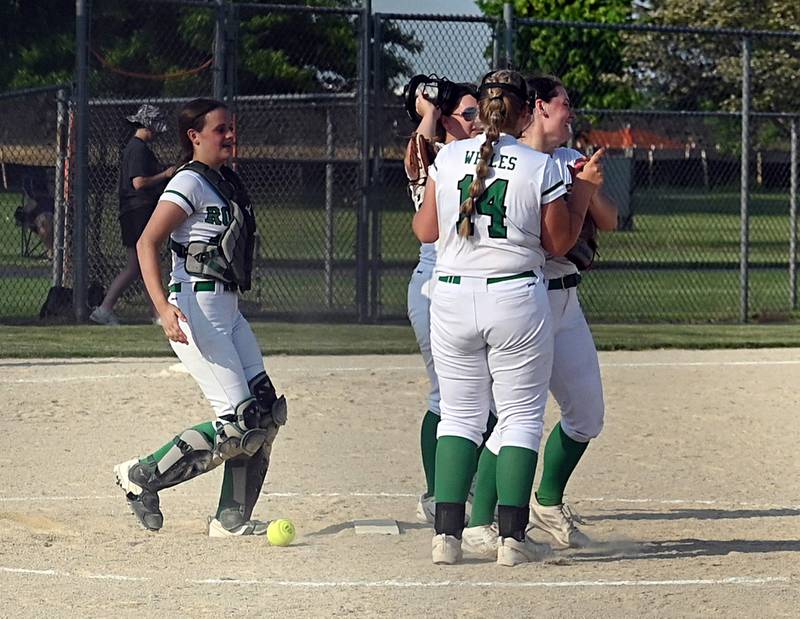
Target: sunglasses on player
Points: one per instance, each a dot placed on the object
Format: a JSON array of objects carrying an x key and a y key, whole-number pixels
[{"x": 468, "y": 114}]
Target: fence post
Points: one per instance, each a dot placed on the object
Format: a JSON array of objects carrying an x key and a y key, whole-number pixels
[
  {"x": 58, "y": 202},
  {"x": 376, "y": 216},
  {"x": 508, "y": 19},
  {"x": 329, "y": 219},
  {"x": 362, "y": 217},
  {"x": 793, "y": 217},
  {"x": 80, "y": 257},
  {"x": 745, "y": 185},
  {"x": 231, "y": 52},
  {"x": 498, "y": 29},
  {"x": 218, "y": 65}
]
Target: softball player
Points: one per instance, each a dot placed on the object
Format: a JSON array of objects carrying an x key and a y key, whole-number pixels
[
  {"x": 454, "y": 120},
  {"x": 494, "y": 205},
  {"x": 575, "y": 381},
  {"x": 199, "y": 208}
]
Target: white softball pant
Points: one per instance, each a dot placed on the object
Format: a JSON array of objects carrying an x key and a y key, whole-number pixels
[
  {"x": 420, "y": 289},
  {"x": 492, "y": 339},
  {"x": 575, "y": 382},
  {"x": 222, "y": 353}
]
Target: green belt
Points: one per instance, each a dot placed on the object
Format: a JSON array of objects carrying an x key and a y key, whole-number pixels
[
  {"x": 562, "y": 283},
  {"x": 456, "y": 279},
  {"x": 206, "y": 286}
]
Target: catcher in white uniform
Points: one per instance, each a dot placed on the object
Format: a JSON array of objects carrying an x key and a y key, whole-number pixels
[
  {"x": 454, "y": 118},
  {"x": 494, "y": 206},
  {"x": 206, "y": 213}
]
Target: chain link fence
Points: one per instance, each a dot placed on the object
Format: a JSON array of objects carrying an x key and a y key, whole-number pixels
[
  {"x": 316, "y": 95},
  {"x": 34, "y": 195}
]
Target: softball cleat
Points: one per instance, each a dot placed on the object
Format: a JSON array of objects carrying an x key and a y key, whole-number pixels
[
  {"x": 446, "y": 549},
  {"x": 560, "y": 523},
  {"x": 249, "y": 527},
  {"x": 144, "y": 504},
  {"x": 511, "y": 552},
  {"x": 481, "y": 540},
  {"x": 426, "y": 508}
]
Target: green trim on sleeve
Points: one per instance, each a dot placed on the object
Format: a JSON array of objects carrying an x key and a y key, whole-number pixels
[{"x": 178, "y": 193}]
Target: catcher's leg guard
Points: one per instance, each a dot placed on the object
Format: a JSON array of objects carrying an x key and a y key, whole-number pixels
[
  {"x": 201, "y": 449},
  {"x": 264, "y": 392},
  {"x": 245, "y": 474}
]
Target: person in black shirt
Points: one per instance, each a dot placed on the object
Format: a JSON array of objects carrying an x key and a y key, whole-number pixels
[{"x": 141, "y": 180}]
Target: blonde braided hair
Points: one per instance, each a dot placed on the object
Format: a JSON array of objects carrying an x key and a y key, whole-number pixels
[{"x": 499, "y": 111}]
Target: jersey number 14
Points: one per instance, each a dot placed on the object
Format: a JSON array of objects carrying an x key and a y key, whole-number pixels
[{"x": 490, "y": 203}]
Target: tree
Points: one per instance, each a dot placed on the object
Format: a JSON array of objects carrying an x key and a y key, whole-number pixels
[
  {"x": 153, "y": 49},
  {"x": 37, "y": 47},
  {"x": 704, "y": 72},
  {"x": 588, "y": 61}
]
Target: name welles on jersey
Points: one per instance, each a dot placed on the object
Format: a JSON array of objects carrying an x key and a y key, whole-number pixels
[{"x": 501, "y": 162}]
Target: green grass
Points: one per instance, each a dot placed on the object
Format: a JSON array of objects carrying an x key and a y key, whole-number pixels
[
  {"x": 277, "y": 338},
  {"x": 688, "y": 229}
]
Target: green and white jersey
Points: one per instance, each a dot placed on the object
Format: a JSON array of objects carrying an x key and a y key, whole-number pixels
[
  {"x": 559, "y": 266},
  {"x": 208, "y": 216},
  {"x": 506, "y": 227}
]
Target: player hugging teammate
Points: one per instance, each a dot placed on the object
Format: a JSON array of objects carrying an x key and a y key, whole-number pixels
[
  {"x": 495, "y": 206},
  {"x": 445, "y": 112}
]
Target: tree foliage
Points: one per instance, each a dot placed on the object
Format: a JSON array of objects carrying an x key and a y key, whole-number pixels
[
  {"x": 588, "y": 61},
  {"x": 704, "y": 72},
  {"x": 133, "y": 43}
]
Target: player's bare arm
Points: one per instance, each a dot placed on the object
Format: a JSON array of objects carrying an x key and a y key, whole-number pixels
[
  {"x": 603, "y": 211},
  {"x": 561, "y": 226},
  {"x": 425, "y": 223},
  {"x": 164, "y": 220}
]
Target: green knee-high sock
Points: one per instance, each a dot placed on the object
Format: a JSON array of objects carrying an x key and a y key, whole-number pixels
[
  {"x": 455, "y": 466},
  {"x": 485, "y": 499},
  {"x": 561, "y": 456},
  {"x": 516, "y": 467},
  {"x": 427, "y": 440},
  {"x": 206, "y": 428}
]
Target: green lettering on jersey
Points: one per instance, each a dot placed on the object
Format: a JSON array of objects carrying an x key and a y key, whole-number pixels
[
  {"x": 491, "y": 203},
  {"x": 218, "y": 216},
  {"x": 212, "y": 215}
]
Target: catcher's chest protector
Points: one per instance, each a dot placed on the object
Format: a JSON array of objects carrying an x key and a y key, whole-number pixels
[{"x": 227, "y": 257}]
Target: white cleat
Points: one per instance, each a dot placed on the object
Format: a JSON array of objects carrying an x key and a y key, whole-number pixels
[
  {"x": 560, "y": 522},
  {"x": 123, "y": 481},
  {"x": 426, "y": 508},
  {"x": 481, "y": 540},
  {"x": 511, "y": 552},
  {"x": 446, "y": 549},
  {"x": 251, "y": 527}
]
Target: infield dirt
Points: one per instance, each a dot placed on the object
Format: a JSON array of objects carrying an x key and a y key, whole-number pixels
[{"x": 692, "y": 494}]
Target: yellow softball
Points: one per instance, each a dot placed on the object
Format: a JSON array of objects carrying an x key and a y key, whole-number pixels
[{"x": 280, "y": 532}]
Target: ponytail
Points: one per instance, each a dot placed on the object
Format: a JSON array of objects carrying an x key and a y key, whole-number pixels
[{"x": 502, "y": 100}]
